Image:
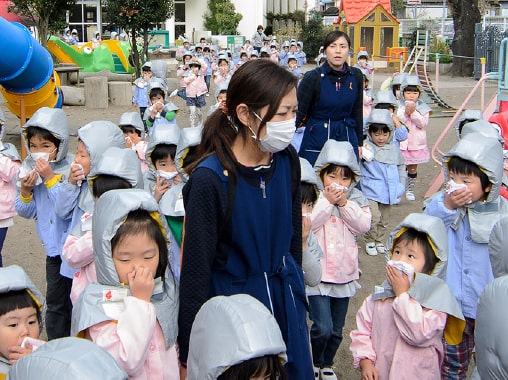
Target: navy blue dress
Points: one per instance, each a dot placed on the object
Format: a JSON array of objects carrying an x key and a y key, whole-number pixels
[
  {"x": 254, "y": 256},
  {"x": 330, "y": 117}
]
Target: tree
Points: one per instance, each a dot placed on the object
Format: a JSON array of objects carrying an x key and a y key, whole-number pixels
[
  {"x": 138, "y": 17},
  {"x": 221, "y": 17},
  {"x": 466, "y": 14},
  {"x": 313, "y": 34},
  {"x": 397, "y": 6},
  {"x": 48, "y": 16}
]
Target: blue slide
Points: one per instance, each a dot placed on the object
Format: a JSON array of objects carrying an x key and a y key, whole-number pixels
[{"x": 27, "y": 78}]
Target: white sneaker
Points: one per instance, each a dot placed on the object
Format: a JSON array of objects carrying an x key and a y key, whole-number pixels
[
  {"x": 327, "y": 374},
  {"x": 174, "y": 93},
  {"x": 380, "y": 248},
  {"x": 370, "y": 248},
  {"x": 316, "y": 373},
  {"x": 410, "y": 196}
]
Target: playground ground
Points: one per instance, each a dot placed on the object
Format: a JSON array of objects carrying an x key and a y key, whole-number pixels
[{"x": 23, "y": 247}]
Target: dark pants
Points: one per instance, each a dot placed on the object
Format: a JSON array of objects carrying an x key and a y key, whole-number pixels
[
  {"x": 59, "y": 306},
  {"x": 207, "y": 81},
  {"x": 142, "y": 113},
  {"x": 182, "y": 93},
  {"x": 328, "y": 315},
  {"x": 3, "y": 234}
]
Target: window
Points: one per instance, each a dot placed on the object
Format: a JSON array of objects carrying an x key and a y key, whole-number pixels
[
  {"x": 179, "y": 11},
  {"x": 367, "y": 38},
  {"x": 179, "y": 18},
  {"x": 371, "y": 18},
  {"x": 386, "y": 39},
  {"x": 179, "y": 30}
]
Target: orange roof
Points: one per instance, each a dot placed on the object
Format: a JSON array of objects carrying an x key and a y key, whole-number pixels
[{"x": 355, "y": 10}]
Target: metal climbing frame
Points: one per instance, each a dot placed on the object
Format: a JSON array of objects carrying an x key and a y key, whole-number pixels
[
  {"x": 502, "y": 76},
  {"x": 417, "y": 63},
  {"x": 436, "y": 153}
]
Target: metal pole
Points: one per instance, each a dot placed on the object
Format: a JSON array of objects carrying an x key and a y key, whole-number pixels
[
  {"x": 443, "y": 18},
  {"x": 99, "y": 17},
  {"x": 436, "y": 85},
  {"x": 483, "y": 61}
]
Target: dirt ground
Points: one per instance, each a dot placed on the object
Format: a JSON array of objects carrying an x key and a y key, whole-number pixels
[{"x": 23, "y": 247}]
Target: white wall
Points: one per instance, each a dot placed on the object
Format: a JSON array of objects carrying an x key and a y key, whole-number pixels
[
  {"x": 253, "y": 12},
  {"x": 194, "y": 11}
]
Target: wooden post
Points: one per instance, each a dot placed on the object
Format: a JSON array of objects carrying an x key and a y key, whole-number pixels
[
  {"x": 96, "y": 92},
  {"x": 120, "y": 93}
]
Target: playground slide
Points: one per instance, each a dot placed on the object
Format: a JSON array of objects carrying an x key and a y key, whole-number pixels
[
  {"x": 91, "y": 60},
  {"x": 122, "y": 49},
  {"x": 26, "y": 72}
]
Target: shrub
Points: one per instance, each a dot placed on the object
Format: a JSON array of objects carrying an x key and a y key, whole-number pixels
[
  {"x": 443, "y": 58},
  {"x": 313, "y": 35}
]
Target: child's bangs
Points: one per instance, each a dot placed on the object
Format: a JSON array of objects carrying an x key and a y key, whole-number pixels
[
  {"x": 458, "y": 165},
  {"x": 337, "y": 170},
  {"x": 18, "y": 299},
  {"x": 43, "y": 133},
  {"x": 412, "y": 88},
  {"x": 408, "y": 235}
]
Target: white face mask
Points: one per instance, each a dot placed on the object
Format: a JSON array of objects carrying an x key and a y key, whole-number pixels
[
  {"x": 278, "y": 135},
  {"x": 37, "y": 155},
  {"x": 168, "y": 176}
]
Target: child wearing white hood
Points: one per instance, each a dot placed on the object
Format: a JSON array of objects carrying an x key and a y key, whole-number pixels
[
  {"x": 341, "y": 213},
  {"x": 22, "y": 313},
  {"x": 134, "y": 131},
  {"x": 171, "y": 202},
  {"x": 77, "y": 359},
  {"x": 41, "y": 177},
  {"x": 491, "y": 328},
  {"x": 131, "y": 311},
  {"x": 469, "y": 206},
  {"x": 383, "y": 177},
  {"x": 254, "y": 348},
  {"x": 400, "y": 326},
  {"x": 118, "y": 168}
]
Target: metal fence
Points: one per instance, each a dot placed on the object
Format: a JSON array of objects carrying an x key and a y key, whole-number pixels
[{"x": 487, "y": 43}]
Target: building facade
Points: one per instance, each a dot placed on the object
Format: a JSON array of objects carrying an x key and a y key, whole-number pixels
[{"x": 87, "y": 16}]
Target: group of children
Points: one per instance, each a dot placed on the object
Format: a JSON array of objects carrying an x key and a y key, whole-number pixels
[
  {"x": 63, "y": 192},
  {"x": 114, "y": 213},
  {"x": 422, "y": 318}
]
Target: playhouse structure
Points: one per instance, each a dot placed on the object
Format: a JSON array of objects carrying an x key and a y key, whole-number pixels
[{"x": 370, "y": 25}]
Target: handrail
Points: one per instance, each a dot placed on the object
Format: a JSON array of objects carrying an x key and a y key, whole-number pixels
[{"x": 454, "y": 119}]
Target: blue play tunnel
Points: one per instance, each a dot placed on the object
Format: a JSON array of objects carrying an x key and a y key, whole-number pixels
[{"x": 26, "y": 70}]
